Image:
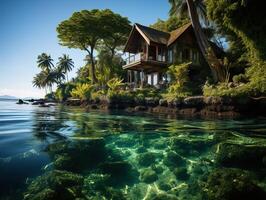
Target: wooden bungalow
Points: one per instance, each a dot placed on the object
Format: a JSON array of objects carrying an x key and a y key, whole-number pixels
[{"x": 151, "y": 52}]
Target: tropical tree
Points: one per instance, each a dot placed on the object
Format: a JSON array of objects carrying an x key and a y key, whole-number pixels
[
  {"x": 196, "y": 9},
  {"x": 64, "y": 65},
  {"x": 45, "y": 62},
  {"x": 87, "y": 29}
]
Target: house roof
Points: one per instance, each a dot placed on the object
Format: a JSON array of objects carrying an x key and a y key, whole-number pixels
[
  {"x": 153, "y": 34},
  {"x": 156, "y": 36},
  {"x": 174, "y": 35}
]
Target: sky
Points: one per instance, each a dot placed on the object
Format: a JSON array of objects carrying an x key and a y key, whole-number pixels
[{"x": 28, "y": 28}]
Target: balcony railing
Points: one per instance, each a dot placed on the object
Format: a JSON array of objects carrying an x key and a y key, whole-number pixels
[
  {"x": 134, "y": 58},
  {"x": 141, "y": 56}
]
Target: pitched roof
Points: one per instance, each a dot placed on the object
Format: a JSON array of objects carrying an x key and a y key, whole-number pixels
[
  {"x": 174, "y": 35},
  {"x": 153, "y": 34}
]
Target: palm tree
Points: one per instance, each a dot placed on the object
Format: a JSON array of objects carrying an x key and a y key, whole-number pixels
[
  {"x": 65, "y": 64},
  {"x": 40, "y": 80},
  {"x": 45, "y": 62},
  {"x": 196, "y": 8},
  {"x": 58, "y": 75}
]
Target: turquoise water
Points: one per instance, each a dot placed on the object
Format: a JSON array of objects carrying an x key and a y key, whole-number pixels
[{"x": 67, "y": 153}]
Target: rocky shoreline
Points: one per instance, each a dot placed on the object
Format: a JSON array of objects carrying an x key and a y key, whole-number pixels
[{"x": 195, "y": 106}]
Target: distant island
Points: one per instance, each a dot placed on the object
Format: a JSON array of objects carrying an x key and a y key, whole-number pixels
[{"x": 7, "y": 97}]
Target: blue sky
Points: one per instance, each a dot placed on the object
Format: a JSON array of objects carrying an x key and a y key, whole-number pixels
[{"x": 28, "y": 28}]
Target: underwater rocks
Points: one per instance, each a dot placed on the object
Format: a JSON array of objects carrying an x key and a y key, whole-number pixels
[
  {"x": 173, "y": 159},
  {"x": 190, "y": 147},
  {"x": 242, "y": 156},
  {"x": 77, "y": 155},
  {"x": 120, "y": 172},
  {"x": 146, "y": 159},
  {"x": 232, "y": 184},
  {"x": 181, "y": 173},
  {"x": 148, "y": 175},
  {"x": 55, "y": 185}
]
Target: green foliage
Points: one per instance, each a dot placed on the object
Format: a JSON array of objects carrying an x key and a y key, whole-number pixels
[
  {"x": 89, "y": 29},
  {"x": 172, "y": 23},
  {"x": 178, "y": 87},
  {"x": 82, "y": 91},
  {"x": 115, "y": 84},
  {"x": 63, "y": 91},
  {"x": 248, "y": 33},
  {"x": 120, "y": 96},
  {"x": 50, "y": 96},
  {"x": 241, "y": 78}
]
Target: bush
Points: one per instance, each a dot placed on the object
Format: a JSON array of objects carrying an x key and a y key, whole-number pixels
[
  {"x": 179, "y": 82},
  {"x": 82, "y": 91},
  {"x": 241, "y": 78},
  {"x": 120, "y": 96},
  {"x": 63, "y": 92}
]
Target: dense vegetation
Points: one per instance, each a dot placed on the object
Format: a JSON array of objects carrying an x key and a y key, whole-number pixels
[{"x": 102, "y": 78}]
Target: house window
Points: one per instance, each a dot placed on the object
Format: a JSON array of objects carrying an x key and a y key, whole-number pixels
[
  {"x": 185, "y": 55},
  {"x": 170, "y": 55}
]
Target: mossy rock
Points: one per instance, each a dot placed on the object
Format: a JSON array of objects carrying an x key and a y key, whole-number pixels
[
  {"x": 173, "y": 159},
  {"x": 163, "y": 185},
  {"x": 191, "y": 147},
  {"x": 241, "y": 156},
  {"x": 181, "y": 173},
  {"x": 55, "y": 185},
  {"x": 146, "y": 159},
  {"x": 148, "y": 175},
  {"x": 164, "y": 196},
  {"x": 121, "y": 172},
  {"x": 232, "y": 184},
  {"x": 78, "y": 155}
]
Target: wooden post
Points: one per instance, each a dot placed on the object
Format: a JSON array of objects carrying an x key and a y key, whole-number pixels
[
  {"x": 142, "y": 79},
  {"x": 157, "y": 51},
  {"x": 147, "y": 51}
]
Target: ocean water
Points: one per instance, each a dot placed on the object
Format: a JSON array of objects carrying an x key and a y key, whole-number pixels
[{"x": 68, "y": 153}]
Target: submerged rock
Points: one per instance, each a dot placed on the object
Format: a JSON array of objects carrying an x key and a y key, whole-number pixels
[
  {"x": 121, "y": 172},
  {"x": 148, "y": 175},
  {"x": 232, "y": 184},
  {"x": 55, "y": 185},
  {"x": 242, "y": 156},
  {"x": 78, "y": 155},
  {"x": 146, "y": 159},
  {"x": 173, "y": 159},
  {"x": 181, "y": 173}
]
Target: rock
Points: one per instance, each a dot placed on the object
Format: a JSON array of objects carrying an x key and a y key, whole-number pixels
[
  {"x": 20, "y": 101},
  {"x": 190, "y": 147},
  {"x": 188, "y": 111},
  {"x": 173, "y": 159},
  {"x": 148, "y": 175},
  {"x": 163, "y": 102},
  {"x": 194, "y": 101},
  {"x": 140, "y": 108},
  {"x": 78, "y": 155},
  {"x": 164, "y": 196},
  {"x": 55, "y": 185},
  {"x": 146, "y": 159},
  {"x": 39, "y": 102},
  {"x": 232, "y": 184},
  {"x": 164, "y": 186},
  {"x": 181, "y": 173},
  {"x": 150, "y": 101},
  {"x": 141, "y": 149},
  {"x": 157, "y": 168},
  {"x": 245, "y": 157},
  {"x": 121, "y": 172}
]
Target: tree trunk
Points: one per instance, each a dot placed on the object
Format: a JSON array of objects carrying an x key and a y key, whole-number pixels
[
  {"x": 93, "y": 73},
  {"x": 207, "y": 51}
]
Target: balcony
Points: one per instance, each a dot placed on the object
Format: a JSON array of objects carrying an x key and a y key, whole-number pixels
[{"x": 141, "y": 62}]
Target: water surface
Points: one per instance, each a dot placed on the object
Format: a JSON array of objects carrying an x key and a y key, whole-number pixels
[{"x": 102, "y": 155}]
